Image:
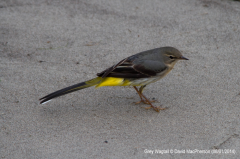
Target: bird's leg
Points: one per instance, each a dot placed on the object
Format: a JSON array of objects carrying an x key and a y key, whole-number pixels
[
  {"x": 142, "y": 100},
  {"x": 140, "y": 95},
  {"x": 151, "y": 106},
  {"x": 141, "y": 90},
  {"x": 146, "y": 101}
]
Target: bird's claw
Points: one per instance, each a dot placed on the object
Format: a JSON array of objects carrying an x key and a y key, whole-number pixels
[
  {"x": 155, "y": 108},
  {"x": 145, "y": 102}
]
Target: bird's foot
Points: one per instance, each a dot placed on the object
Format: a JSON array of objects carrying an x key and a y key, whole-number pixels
[
  {"x": 145, "y": 102},
  {"x": 155, "y": 108}
]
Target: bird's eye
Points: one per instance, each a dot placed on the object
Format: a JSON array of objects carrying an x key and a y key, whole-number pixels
[{"x": 171, "y": 57}]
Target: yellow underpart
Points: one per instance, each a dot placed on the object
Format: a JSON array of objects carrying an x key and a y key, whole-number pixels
[{"x": 113, "y": 81}]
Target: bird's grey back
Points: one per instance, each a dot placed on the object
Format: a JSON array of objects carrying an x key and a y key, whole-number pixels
[{"x": 153, "y": 54}]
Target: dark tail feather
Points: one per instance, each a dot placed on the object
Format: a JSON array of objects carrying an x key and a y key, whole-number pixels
[{"x": 70, "y": 89}]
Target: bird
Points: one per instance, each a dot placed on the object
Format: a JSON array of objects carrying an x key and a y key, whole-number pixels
[{"x": 137, "y": 70}]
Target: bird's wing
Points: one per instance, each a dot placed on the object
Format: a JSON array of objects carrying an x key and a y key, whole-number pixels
[
  {"x": 134, "y": 68},
  {"x": 149, "y": 67}
]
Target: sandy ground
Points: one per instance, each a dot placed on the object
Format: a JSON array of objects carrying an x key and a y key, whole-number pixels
[{"x": 47, "y": 45}]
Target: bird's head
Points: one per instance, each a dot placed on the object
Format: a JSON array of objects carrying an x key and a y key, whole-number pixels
[{"x": 171, "y": 56}]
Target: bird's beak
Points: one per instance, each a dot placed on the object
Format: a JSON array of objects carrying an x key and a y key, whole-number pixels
[{"x": 183, "y": 58}]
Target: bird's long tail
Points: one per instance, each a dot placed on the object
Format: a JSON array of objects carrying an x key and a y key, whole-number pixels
[{"x": 70, "y": 89}]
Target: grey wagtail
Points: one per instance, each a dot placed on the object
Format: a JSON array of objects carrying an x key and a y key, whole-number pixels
[{"x": 140, "y": 69}]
